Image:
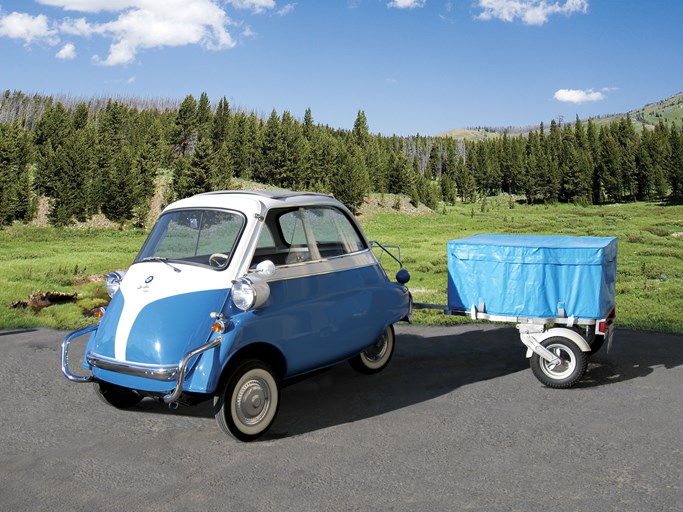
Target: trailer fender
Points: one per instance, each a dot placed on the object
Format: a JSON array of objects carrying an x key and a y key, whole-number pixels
[{"x": 563, "y": 333}]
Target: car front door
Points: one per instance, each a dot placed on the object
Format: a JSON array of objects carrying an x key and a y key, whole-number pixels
[{"x": 320, "y": 302}]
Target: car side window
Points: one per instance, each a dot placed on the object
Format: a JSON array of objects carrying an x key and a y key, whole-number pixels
[
  {"x": 333, "y": 232},
  {"x": 308, "y": 233},
  {"x": 319, "y": 232}
]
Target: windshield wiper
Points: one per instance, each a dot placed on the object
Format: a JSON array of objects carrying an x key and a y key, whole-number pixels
[{"x": 162, "y": 260}]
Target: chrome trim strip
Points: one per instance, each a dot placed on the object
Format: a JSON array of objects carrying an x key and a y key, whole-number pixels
[
  {"x": 149, "y": 371},
  {"x": 65, "y": 354},
  {"x": 313, "y": 268}
]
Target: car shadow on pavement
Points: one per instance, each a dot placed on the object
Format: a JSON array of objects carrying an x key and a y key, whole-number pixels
[
  {"x": 428, "y": 366},
  {"x": 422, "y": 368}
]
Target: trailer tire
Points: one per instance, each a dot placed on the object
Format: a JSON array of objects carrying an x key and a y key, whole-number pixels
[
  {"x": 116, "y": 396},
  {"x": 247, "y": 405},
  {"x": 377, "y": 356},
  {"x": 571, "y": 368}
]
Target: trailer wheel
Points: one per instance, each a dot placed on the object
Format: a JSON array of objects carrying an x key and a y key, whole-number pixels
[
  {"x": 247, "y": 405},
  {"x": 569, "y": 371},
  {"x": 376, "y": 357},
  {"x": 117, "y": 396}
]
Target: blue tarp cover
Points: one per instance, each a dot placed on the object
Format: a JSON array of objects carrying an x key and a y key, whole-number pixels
[{"x": 533, "y": 276}]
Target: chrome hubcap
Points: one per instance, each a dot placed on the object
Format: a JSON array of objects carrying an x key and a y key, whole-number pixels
[
  {"x": 253, "y": 401},
  {"x": 377, "y": 351}
]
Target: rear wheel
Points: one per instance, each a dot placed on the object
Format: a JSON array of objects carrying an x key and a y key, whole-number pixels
[
  {"x": 570, "y": 369},
  {"x": 376, "y": 357},
  {"x": 117, "y": 396},
  {"x": 247, "y": 405}
]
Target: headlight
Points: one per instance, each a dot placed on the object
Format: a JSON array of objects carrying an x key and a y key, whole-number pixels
[
  {"x": 113, "y": 281},
  {"x": 250, "y": 292}
]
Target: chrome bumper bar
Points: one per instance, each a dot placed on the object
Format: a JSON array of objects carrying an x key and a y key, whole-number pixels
[
  {"x": 65, "y": 354},
  {"x": 168, "y": 373}
]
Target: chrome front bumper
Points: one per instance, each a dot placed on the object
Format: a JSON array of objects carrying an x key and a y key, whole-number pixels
[{"x": 168, "y": 373}]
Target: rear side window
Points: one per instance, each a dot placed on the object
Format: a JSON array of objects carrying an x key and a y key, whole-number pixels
[{"x": 323, "y": 229}]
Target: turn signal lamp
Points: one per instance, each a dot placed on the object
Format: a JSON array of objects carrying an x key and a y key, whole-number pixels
[{"x": 218, "y": 327}]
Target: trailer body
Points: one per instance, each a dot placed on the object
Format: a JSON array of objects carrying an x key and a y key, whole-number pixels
[{"x": 533, "y": 276}]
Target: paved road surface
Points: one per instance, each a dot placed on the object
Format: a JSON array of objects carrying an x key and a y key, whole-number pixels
[{"x": 457, "y": 422}]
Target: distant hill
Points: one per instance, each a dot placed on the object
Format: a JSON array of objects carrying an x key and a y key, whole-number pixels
[{"x": 668, "y": 111}]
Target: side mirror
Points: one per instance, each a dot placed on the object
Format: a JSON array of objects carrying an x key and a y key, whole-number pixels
[
  {"x": 266, "y": 268},
  {"x": 403, "y": 276}
]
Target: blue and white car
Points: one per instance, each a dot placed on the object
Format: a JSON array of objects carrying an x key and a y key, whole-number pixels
[{"x": 233, "y": 294}]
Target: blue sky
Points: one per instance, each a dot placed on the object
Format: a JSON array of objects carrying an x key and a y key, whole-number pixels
[{"x": 413, "y": 66}]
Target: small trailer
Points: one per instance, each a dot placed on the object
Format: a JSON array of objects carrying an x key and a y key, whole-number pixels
[{"x": 558, "y": 290}]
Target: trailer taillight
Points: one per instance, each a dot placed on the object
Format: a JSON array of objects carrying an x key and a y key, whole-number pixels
[{"x": 604, "y": 324}]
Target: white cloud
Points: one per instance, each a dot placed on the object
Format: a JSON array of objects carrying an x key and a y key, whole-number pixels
[
  {"x": 286, "y": 9},
  {"x": 91, "y": 5},
  {"x": 256, "y": 6},
  {"x": 18, "y": 25},
  {"x": 578, "y": 96},
  {"x": 130, "y": 80},
  {"x": 68, "y": 52},
  {"x": 144, "y": 24},
  {"x": 530, "y": 12},
  {"x": 406, "y": 4}
]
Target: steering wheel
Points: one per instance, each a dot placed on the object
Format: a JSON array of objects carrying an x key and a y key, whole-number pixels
[{"x": 219, "y": 260}]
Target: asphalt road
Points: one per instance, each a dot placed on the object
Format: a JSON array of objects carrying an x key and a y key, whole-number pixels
[{"x": 456, "y": 422}]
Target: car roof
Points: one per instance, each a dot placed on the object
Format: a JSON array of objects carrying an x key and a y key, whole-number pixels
[
  {"x": 272, "y": 194},
  {"x": 266, "y": 199}
]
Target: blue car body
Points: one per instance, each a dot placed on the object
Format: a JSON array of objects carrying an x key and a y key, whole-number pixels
[{"x": 172, "y": 328}]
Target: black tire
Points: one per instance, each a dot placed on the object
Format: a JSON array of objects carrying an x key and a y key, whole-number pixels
[
  {"x": 117, "y": 396},
  {"x": 571, "y": 369},
  {"x": 376, "y": 357},
  {"x": 247, "y": 405}
]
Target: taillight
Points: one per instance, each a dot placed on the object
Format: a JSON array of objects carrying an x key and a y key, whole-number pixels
[{"x": 602, "y": 325}]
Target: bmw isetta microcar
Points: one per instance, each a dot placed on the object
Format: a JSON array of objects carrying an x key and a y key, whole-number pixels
[{"x": 234, "y": 293}]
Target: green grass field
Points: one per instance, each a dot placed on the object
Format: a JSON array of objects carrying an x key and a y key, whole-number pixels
[{"x": 649, "y": 276}]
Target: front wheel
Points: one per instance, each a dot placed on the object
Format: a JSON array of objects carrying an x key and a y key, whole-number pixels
[
  {"x": 247, "y": 405},
  {"x": 117, "y": 396},
  {"x": 568, "y": 371},
  {"x": 376, "y": 357}
]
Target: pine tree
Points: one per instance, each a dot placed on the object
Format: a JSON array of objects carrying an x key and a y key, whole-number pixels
[
  {"x": 223, "y": 169},
  {"x": 220, "y": 124},
  {"x": 676, "y": 161},
  {"x": 15, "y": 155},
  {"x": 272, "y": 151},
  {"x": 351, "y": 183},
  {"x": 185, "y": 133},
  {"x": 204, "y": 116}
]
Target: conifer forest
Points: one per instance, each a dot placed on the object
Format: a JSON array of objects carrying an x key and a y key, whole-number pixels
[{"x": 108, "y": 156}]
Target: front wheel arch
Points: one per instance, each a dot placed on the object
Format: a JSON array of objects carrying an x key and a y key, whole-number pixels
[{"x": 261, "y": 351}]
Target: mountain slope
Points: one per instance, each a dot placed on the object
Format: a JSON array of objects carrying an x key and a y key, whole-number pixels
[{"x": 668, "y": 111}]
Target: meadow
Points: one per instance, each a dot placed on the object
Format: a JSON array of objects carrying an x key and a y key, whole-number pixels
[{"x": 649, "y": 269}]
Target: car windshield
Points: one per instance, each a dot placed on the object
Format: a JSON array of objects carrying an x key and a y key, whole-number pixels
[{"x": 200, "y": 237}]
